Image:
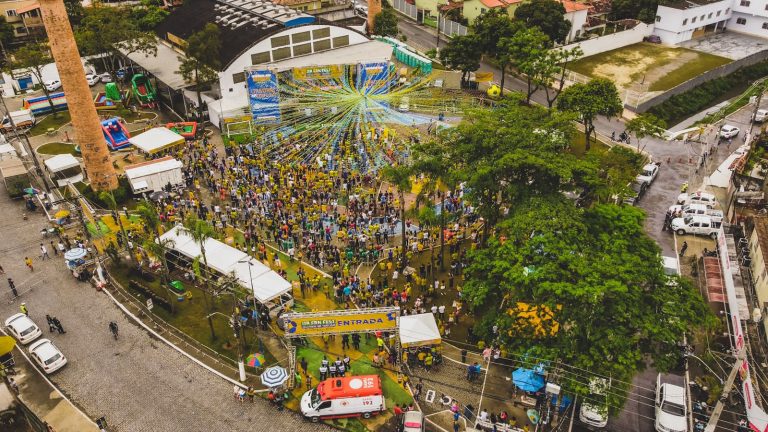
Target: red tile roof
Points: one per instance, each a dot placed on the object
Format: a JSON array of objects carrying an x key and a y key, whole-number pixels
[
  {"x": 499, "y": 3},
  {"x": 572, "y": 6}
]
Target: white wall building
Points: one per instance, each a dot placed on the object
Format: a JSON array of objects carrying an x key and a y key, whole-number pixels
[
  {"x": 679, "y": 22},
  {"x": 750, "y": 17},
  {"x": 576, "y": 13}
]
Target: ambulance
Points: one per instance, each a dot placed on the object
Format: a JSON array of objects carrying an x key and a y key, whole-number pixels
[{"x": 351, "y": 396}]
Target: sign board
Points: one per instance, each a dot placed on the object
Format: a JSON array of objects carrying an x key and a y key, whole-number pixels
[
  {"x": 483, "y": 76},
  {"x": 150, "y": 305},
  {"x": 318, "y": 72},
  {"x": 263, "y": 96},
  {"x": 340, "y": 322},
  {"x": 373, "y": 78}
]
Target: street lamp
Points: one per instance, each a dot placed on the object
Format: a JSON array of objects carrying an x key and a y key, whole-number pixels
[{"x": 240, "y": 362}]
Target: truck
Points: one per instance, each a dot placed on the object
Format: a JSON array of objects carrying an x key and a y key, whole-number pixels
[
  {"x": 650, "y": 171},
  {"x": 352, "y": 396},
  {"x": 22, "y": 119},
  {"x": 696, "y": 225},
  {"x": 699, "y": 210}
]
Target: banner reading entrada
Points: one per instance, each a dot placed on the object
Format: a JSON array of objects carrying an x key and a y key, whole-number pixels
[
  {"x": 263, "y": 96},
  {"x": 341, "y": 321}
]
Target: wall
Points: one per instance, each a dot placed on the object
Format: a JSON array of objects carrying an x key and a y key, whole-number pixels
[
  {"x": 613, "y": 41},
  {"x": 718, "y": 72},
  {"x": 752, "y": 26},
  {"x": 578, "y": 19}
]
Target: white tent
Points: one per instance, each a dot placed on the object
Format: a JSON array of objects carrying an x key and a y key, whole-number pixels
[
  {"x": 61, "y": 162},
  {"x": 266, "y": 284},
  {"x": 418, "y": 330},
  {"x": 156, "y": 139}
]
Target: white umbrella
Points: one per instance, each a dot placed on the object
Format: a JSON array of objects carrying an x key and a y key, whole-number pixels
[
  {"x": 274, "y": 376},
  {"x": 75, "y": 254}
]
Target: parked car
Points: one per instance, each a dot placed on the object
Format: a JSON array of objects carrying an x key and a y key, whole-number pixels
[
  {"x": 105, "y": 78},
  {"x": 650, "y": 171},
  {"x": 699, "y": 197},
  {"x": 729, "y": 131},
  {"x": 23, "y": 328},
  {"x": 47, "y": 356},
  {"x": 697, "y": 225},
  {"x": 760, "y": 115},
  {"x": 52, "y": 85},
  {"x": 652, "y": 39},
  {"x": 413, "y": 421},
  {"x": 594, "y": 411},
  {"x": 92, "y": 79},
  {"x": 698, "y": 210},
  {"x": 671, "y": 407},
  {"x": 637, "y": 191}
]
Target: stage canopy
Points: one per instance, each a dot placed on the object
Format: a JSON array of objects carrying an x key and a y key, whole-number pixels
[{"x": 418, "y": 330}]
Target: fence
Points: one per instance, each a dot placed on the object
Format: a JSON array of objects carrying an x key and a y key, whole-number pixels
[
  {"x": 407, "y": 9},
  {"x": 451, "y": 28},
  {"x": 696, "y": 81}
]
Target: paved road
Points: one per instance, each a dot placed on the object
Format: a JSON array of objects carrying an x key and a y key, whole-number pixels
[{"x": 137, "y": 382}]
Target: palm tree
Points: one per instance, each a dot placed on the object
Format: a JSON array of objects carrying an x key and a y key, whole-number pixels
[
  {"x": 155, "y": 245},
  {"x": 201, "y": 231},
  {"x": 109, "y": 199},
  {"x": 400, "y": 177}
]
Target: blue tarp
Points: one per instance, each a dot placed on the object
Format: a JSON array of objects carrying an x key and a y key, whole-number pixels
[{"x": 527, "y": 380}]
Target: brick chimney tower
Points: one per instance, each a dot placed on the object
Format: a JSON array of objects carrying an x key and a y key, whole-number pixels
[
  {"x": 88, "y": 134},
  {"x": 374, "y": 8}
]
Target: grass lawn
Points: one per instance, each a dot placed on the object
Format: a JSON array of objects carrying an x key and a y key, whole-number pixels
[
  {"x": 50, "y": 121},
  {"x": 57, "y": 148},
  {"x": 578, "y": 144},
  {"x": 646, "y": 63}
]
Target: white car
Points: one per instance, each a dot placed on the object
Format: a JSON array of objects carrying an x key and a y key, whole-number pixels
[
  {"x": 696, "y": 225},
  {"x": 649, "y": 174},
  {"x": 729, "y": 131},
  {"x": 699, "y": 197},
  {"x": 671, "y": 407},
  {"x": 47, "y": 356},
  {"x": 105, "y": 78},
  {"x": 697, "y": 210},
  {"x": 413, "y": 421},
  {"x": 23, "y": 328},
  {"x": 594, "y": 411},
  {"x": 52, "y": 85},
  {"x": 92, "y": 79},
  {"x": 760, "y": 115}
]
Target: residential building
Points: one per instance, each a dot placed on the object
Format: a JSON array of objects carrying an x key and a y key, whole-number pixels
[
  {"x": 758, "y": 251},
  {"x": 24, "y": 16},
  {"x": 474, "y": 8},
  {"x": 576, "y": 13},
  {"x": 750, "y": 17},
  {"x": 678, "y": 22}
]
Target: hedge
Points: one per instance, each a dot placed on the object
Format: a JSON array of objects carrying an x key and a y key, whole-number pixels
[{"x": 679, "y": 107}]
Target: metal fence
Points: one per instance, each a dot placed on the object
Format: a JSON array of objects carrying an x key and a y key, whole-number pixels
[
  {"x": 451, "y": 28},
  {"x": 406, "y": 8}
]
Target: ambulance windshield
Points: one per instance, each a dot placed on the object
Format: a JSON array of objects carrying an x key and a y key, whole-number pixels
[{"x": 314, "y": 398}]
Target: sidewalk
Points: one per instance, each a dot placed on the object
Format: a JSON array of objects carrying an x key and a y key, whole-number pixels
[{"x": 46, "y": 401}]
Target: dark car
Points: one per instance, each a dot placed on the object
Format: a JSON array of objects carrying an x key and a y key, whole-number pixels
[{"x": 652, "y": 39}]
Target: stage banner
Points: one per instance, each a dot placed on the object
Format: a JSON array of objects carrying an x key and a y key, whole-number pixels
[
  {"x": 483, "y": 76},
  {"x": 318, "y": 72},
  {"x": 373, "y": 78},
  {"x": 340, "y": 321},
  {"x": 263, "y": 96}
]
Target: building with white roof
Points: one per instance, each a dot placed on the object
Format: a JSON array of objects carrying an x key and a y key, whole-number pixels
[
  {"x": 682, "y": 20},
  {"x": 64, "y": 169},
  {"x": 155, "y": 175}
]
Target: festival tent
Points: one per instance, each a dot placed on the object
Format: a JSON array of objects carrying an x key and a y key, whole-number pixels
[
  {"x": 418, "y": 330},
  {"x": 227, "y": 260},
  {"x": 156, "y": 140},
  {"x": 64, "y": 168}
]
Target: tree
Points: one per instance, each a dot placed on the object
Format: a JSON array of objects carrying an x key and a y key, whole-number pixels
[
  {"x": 645, "y": 125},
  {"x": 385, "y": 23},
  {"x": 201, "y": 231},
  {"x": 109, "y": 199},
  {"x": 148, "y": 16},
  {"x": 597, "y": 97},
  {"x": 555, "y": 78},
  {"x": 112, "y": 32},
  {"x": 32, "y": 57},
  {"x": 643, "y": 10},
  {"x": 202, "y": 59},
  {"x": 400, "y": 178},
  {"x": 594, "y": 281},
  {"x": 527, "y": 51},
  {"x": 491, "y": 28},
  {"x": 75, "y": 11},
  {"x": 156, "y": 245},
  {"x": 548, "y": 16},
  {"x": 7, "y": 33},
  {"x": 462, "y": 53}
]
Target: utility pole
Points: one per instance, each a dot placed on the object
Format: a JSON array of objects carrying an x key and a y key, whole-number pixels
[
  {"x": 437, "y": 44},
  {"x": 28, "y": 145},
  {"x": 715, "y": 417}
]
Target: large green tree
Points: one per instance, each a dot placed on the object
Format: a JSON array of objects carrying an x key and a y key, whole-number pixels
[
  {"x": 556, "y": 65},
  {"x": 463, "y": 53},
  {"x": 597, "y": 97},
  {"x": 400, "y": 177},
  {"x": 491, "y": 28},
  {"x": 646, "y": 125},
  {"x": 593, "y": 277},
  {"x": 32, "y": 57},
  {"x": 546, "y": 15},
  {"x": 112, "y": 32},
  {"x": 201, "y": 61},
  {"x": 385, "y": 23},
  {"x": 643, "y": 10},
  {"x": 200, "y": 230},
  {"x": 527, "y": 52}
]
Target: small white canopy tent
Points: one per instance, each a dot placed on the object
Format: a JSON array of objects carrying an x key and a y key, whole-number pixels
[
  {"x": 265, "y": 283},
  {"x": 419, "y": 330},
  {"x": 64, "y": 168},
  {"x": 156, "y": 139}
]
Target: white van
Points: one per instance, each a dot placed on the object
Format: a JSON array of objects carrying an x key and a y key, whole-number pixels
[
  {"x": 353, "y": 396},
  {"x": 699, "y": 197}
]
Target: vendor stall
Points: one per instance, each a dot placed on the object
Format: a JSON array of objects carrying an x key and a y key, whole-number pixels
[
  {"x": 64, "y": 169},
  {"x": 419, "y": 330},
  {"x": 156, "y": 140}
]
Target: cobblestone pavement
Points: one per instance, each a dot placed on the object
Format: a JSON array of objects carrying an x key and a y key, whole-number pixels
[{"x": 136, "y": 382}]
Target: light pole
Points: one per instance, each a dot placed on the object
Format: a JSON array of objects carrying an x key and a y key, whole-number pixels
[{"x": 240, "y": 362}]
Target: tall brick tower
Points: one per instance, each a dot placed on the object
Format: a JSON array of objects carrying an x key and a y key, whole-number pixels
[
  {"x": 374, "y": 8},
  {"x": 85, "y": 120}
]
